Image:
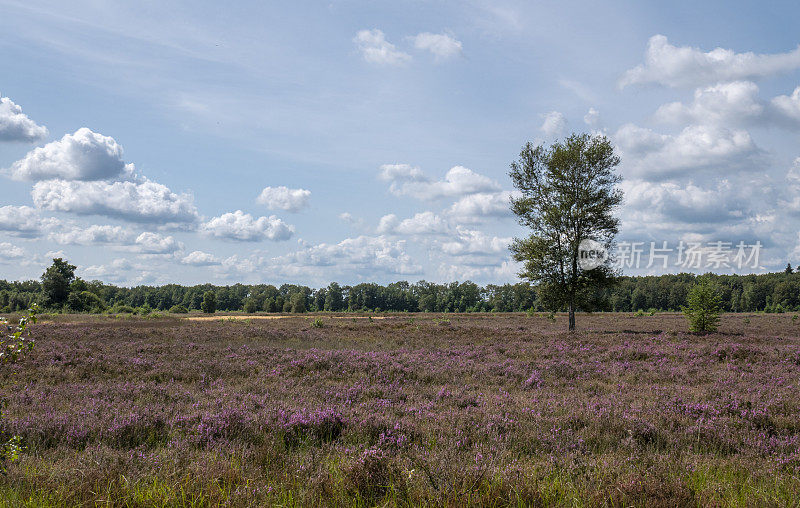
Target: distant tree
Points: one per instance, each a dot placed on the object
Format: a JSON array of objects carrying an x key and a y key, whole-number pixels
[
  {"x": 56, "y": 282},
  {"x": 788, "y": 268},
  {"x": 334, "y": 301},
  {"x": 85, "y": 301},
  {"x": 703, "y": 307},
  {"x": 298, "y": 303},
  {"x": 568, "y": 195},
  {"x": 250, "y": 305},
  {"x": 209, "y": 305}
]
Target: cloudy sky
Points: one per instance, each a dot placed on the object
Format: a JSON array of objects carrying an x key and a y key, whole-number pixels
[{"x": 370, "y": 141}]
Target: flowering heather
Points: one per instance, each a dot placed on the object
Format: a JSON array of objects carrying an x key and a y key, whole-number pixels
[{"x": 488, "y": 410}]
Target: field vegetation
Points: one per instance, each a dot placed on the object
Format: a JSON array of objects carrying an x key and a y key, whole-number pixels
[{"x": 410, "y": 410}]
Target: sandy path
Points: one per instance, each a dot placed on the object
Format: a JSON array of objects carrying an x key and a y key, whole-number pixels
[{"x": 225, "y": 318}]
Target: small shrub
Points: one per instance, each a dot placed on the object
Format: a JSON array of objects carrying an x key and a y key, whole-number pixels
[
  {"x": 322, "y": 426},
  {"x": 178, "y": 309},
  {"x": 317, "y": 323},
  {"x": 703, "y": 308},
  {"x": 373, "y": 475},
  {"x": 124, "y": 309}
]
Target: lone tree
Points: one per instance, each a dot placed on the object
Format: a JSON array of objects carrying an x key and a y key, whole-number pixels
[
  {"x": 56, "y": 282},
  {"x": 703, "y": 307},
  {"x": 568, "y": 196}
]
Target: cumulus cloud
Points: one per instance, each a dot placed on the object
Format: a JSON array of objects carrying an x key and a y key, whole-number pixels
[
  {"x": 154, "y": 243},
  {"x": 16, "y": 126},
  {"x": 473, "y": 242},
  {"x": 481, "y": 206},
  {"x": 92, "y": 235},
  {"x": 663, "y": 203},
  {"x": 145, "y": 202},
  {"x": 244, "y": 227},
  {"x": 440, "y": 45},
  {"x": 200, "y": 258},
  {"x": 458, "y": 181},
  {"x": 23, "y": 221},
  {"x": 788, "y": 106},
  {"x": 366, "y": 255},
  {"x": 10, "y": 251},
  {"x": 284, "y": 198},
  {"x": 111, "y": 272},
  {"x": 723, "y": 104},
  {"x": 650, "y": 155},
  {"x": 376, "y": 49},
  {"x": 424, "y": 223},
  {"x": 592, "y": 118},
  {"x": 675, "y": 66},
  {"x": 84, "y": 156},
  {"x": 554, "y": 124}
]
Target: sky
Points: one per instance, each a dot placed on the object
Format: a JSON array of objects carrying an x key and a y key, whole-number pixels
[{"x": 309, "y": 142}]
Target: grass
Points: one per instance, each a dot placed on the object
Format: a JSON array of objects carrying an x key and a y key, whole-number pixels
[{"x": 410, "y": 410}]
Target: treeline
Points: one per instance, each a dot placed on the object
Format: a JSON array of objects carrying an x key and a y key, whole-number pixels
[{"x": 60, "y": 290}]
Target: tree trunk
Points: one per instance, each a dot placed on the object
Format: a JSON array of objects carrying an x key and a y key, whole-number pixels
[{"x": 571, "y": 317}]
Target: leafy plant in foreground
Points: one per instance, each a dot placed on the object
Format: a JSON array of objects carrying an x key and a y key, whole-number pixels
[
  {"x": 12, "y": 348},
  {"x": 703, "y": 308}
]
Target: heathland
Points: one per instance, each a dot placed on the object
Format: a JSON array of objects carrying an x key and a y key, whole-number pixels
[{"x": 410, "y": 409}]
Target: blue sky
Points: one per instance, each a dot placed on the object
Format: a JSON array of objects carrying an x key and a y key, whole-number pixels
[{"x": 370, "y": 141}]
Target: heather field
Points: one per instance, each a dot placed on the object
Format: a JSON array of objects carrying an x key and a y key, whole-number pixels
[{"x": 410, "y": 410}]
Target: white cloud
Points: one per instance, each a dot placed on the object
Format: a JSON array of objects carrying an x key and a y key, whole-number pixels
[
  {"x": 651, "y": 204},
  {"x": 83, "y": 156},
  {"x": 284, "y": 198},
  {"x": 21, "y": 221},
  {"x": 376, "y": 49},
  {"x": 472, "y": 242},
  {"x": 441, "y": 45},
  {"x": 724, "y": 104},
  {"x": 111, "y": 272},
  {"x": 10, "y": 251},
  {"x": 554, "y": 124},
  {"x": 154, "y": 243},
  {"x": 200, "y": 258},
  {"x": 402, "y": 173},
  {"x": 146, "y": 201},
  {"x": 16, "y": 126},
  {"x": 649, "y": 155},
  {"x": 366, "y": 255},
  {"x": 242, "y": 226},
  {"x": 481, "y": 206},
  {"x": 424, "y": 223},
  {"x": 788, "y": 106},
  {"x": 459, "y": 181},
  {"x": 674, "y": 66},
  {"x": 92, "y": 235},
  {"x": 592, "y": 118}
]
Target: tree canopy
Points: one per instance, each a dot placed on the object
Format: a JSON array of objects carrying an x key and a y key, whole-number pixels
[{"x": 568, "y": 195}]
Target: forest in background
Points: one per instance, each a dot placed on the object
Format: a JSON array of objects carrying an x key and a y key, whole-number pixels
[{"x": 59, "y": 290}]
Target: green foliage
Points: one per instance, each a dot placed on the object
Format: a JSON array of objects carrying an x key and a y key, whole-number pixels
[
  {"x": 317, "y": 323},
  {"x": 568, "y": 195},
  {"x": 85, "y": 301},
  {"x": 703, "y": 307},
  {"x": 297, "y": 303},
  {"x": 56, "y": 282},
  {"x": 13, "y": 347},
  {"x": 178, "y": 309},
  {"x": 209, "y": 305},
  {"x": 250, "y": 306}
]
